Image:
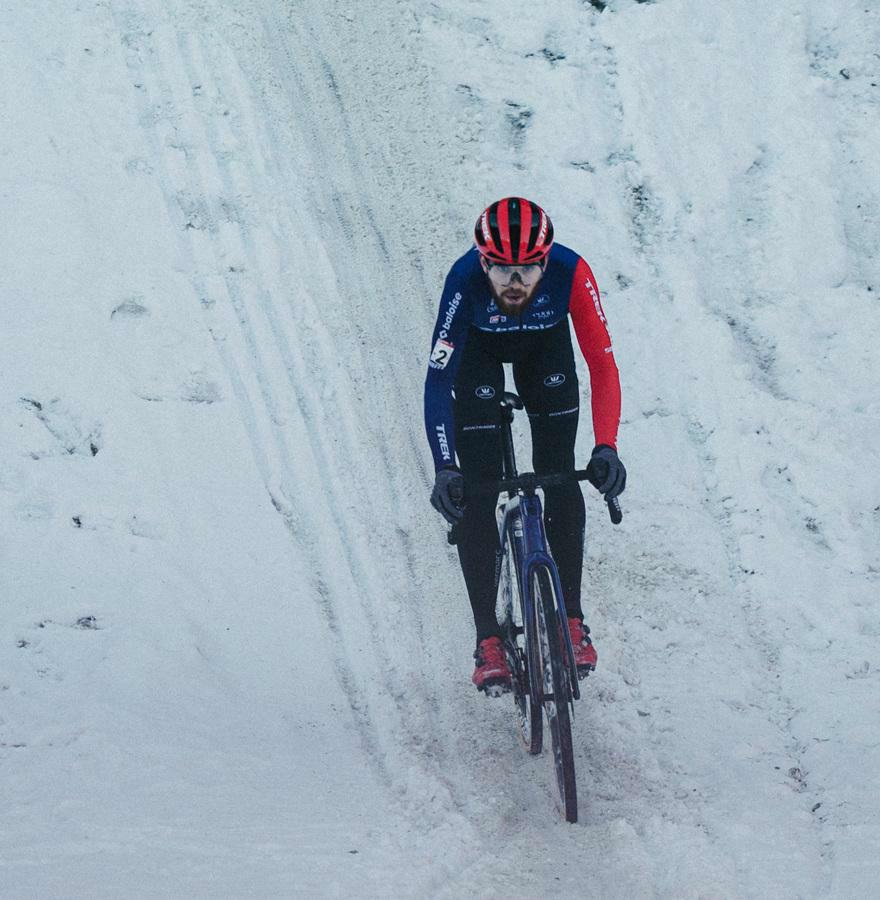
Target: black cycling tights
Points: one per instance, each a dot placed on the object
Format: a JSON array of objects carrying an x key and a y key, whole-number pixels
[{"x": 545, "y": 378}]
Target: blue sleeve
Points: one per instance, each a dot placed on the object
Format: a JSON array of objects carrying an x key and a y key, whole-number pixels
[{"x": 447, "y": 347}]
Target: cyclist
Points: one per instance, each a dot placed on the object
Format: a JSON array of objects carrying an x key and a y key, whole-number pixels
[{"x": 507, "y": 300}]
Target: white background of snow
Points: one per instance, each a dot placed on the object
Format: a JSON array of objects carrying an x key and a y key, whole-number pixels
[{"x": 224, "y": 234}]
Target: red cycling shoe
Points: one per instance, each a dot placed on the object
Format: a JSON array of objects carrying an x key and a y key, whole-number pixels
[
  {"x": 492, "y": 674},
  {"x": 584, "y": 652}
]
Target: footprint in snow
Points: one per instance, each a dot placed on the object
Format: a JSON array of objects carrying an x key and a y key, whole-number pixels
[
  {"x": 132, "y": 308},
  {"x": 73, "y": 436},
  {"x": 199, "y": 388}
]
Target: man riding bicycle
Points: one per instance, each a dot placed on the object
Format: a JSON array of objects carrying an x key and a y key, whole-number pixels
[{"x": 507, "y": 301}]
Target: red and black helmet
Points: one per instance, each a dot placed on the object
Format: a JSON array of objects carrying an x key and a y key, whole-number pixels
[{"x": 514, "y": 232}]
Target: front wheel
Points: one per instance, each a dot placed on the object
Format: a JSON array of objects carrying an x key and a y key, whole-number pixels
[
  {"x": 521, "y": 645},
  {"x": 557, "y": 692}
]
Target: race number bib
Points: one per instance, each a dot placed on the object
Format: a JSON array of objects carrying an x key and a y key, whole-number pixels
[{"x": 441, "y": 354}]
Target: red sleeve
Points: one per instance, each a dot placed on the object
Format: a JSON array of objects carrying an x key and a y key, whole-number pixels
[{"x": 591, "y": 331}]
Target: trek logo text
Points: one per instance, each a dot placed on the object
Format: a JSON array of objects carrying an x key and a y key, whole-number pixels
[{"x": 444, "y": 443}]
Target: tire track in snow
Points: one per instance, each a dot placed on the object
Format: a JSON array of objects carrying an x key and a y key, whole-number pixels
[
  {"x": 311, "y": 408},
  {"x": 359, "y": 330},
  {"x": 262, "y": 424},
  {"x": 419, "y": 697},
  {"x": 281, "y": 470},
  {"x": 416, "y": 727}
]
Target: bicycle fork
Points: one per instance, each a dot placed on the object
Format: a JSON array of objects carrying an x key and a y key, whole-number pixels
[{"x": 523, "y": 518}]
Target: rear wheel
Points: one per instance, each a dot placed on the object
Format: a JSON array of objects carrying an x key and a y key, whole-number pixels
[{"x": 556, "y": 692}]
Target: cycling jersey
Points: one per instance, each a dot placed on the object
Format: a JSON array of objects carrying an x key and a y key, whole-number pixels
[{"x": 566, "y": 288}]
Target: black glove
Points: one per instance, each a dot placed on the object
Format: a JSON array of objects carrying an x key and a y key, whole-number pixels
[
  {"x": 448, "y": 494},
  {"x": 606, "y": 472}
]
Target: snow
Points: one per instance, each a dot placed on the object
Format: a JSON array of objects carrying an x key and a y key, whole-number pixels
[{"x": 236, "y": 652}]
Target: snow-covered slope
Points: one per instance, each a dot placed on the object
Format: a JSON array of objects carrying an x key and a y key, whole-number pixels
[{"x": 236, "y": 652}]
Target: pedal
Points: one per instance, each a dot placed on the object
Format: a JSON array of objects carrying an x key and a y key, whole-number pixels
[
  {"x": 584, "y": 671},
  {"x": 496, "y": 689}
]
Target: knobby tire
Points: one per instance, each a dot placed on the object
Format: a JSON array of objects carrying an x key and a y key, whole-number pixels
[{"x": 533, "y": 674}]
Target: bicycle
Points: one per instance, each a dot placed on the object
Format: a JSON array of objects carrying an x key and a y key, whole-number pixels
[{"x": 536, "y": 637}]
